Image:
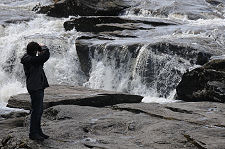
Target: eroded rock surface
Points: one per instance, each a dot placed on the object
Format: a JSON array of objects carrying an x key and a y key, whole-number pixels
[
  {"x": 71, "y": 95},
  {"x": 171, "y": 126}
]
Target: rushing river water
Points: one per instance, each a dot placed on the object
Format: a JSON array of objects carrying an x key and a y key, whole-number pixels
[{"x": 19, "y": 25}]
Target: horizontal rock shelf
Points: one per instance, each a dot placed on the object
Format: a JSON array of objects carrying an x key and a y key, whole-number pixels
[
  {"x": 71, "y": 95},
  {"x": 186, "y": 125}
]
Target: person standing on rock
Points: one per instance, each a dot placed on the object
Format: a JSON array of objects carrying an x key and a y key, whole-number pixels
[{"x": 36, "y": 81}]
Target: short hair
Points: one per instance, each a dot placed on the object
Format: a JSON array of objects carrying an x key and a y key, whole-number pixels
[{"x": 32, "y": 48}]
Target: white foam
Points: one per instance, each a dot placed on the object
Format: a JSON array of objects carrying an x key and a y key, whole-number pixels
[
  {"x": 149, "y": 99},
  {"x": 9, "y": 89},
  {"x": 155, "y": 99},
  {"x": 209, "y": 22},
  {"x": 218, "y": 57},
  {"x": 6, "y": 110},
  {"x": 101, "y": 77}
]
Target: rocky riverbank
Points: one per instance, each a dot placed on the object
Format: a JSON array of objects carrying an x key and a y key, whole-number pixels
[
  {"x": 158, "y": 49},
  {"x": 125, "y": 125}
]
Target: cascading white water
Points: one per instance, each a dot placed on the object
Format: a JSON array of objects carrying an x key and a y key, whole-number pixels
[
  {"x": 62, "y": 67},
  {"x": 148, "y": 74}
]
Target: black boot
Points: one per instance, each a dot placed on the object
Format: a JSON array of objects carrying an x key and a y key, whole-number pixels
[
  {"x": 36, "y": 137},
  {"x": 44, "y": 135}
]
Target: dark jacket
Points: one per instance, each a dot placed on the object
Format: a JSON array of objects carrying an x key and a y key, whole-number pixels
[{"x": 33, "y": 68}]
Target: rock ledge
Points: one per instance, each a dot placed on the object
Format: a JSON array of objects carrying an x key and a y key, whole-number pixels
[{"x": 71, "y": 95}]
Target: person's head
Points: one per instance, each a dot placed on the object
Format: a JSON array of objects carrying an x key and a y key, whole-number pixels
[{"x": 32, "y": 48}]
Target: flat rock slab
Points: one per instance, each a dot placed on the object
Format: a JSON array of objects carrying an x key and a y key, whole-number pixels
[
  {"x": 138, "y": 125},
  {"x": 71, "y": 95}
]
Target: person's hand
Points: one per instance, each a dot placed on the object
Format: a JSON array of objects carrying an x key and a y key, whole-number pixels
[{"x": 41, "y": 44}]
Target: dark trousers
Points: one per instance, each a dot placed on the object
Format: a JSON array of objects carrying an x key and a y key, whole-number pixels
[{"x": 36, "y": 111}]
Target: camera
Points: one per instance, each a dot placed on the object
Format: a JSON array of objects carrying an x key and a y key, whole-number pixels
[{"x": 42, "y": 48}]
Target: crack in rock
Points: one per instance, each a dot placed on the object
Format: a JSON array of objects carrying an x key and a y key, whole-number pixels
[
  {"x": 138, "y": 111},
  {"x": 94, "y": 146},
  {"x": 179, "y": 110},
  {"x": 194, "y": 142}
]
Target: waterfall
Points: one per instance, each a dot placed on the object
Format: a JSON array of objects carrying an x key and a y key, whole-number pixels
[{"x": 151, "y": 64}]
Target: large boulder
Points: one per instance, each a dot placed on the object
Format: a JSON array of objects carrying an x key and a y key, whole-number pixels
[
  {"x": 71, "y": 95},
  {"x": 206, "y": 83},
  {"x": 65, "y": 8}
]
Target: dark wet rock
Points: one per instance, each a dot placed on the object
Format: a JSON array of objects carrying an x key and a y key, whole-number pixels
[
  {"x": 206, "y": 83},
  {"x": 218, "y": 65},
  {"x": 84, "y": 58},
  {"x": 71, "y": 95},
  {"x": 67, "y": 8},
  {"x": 214, "y": 2},
  {"x": 109, "y": 23},
  {"x": 88, "y": 52},
  {"x": 203, "y": 58},
  {"x": 171, "y": 126},
  {"x": 181, "y": 50}
]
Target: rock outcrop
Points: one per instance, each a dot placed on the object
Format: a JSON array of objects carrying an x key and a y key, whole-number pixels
[
  {"x": 65, "y": 8},
  {"x": 171, "y": 126},
  {"x": 206, "y": 83},
  {"x": 98, "y": 24},
  {"x": 71, "y": 95}
]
